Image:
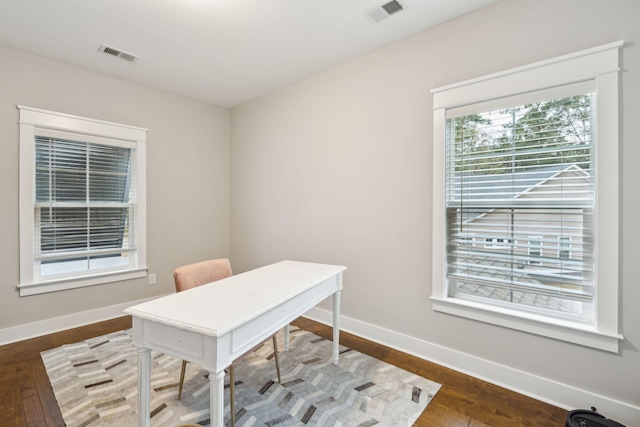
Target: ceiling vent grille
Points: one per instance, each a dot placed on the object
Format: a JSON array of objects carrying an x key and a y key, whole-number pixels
[
  {"x": 384, "y": 11},
  {"x": 392, "y": 7},
  {"x": 118, "y": 53}
]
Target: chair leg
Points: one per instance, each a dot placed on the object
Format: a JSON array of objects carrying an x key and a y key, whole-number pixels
[
  {"x": 184, "y": 367},
  {"x": 232, "y": 399},
  {"x": 275, "y": 352}
]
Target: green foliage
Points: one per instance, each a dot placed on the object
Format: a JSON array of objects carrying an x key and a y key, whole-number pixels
[{"x": 545, "y": 133}]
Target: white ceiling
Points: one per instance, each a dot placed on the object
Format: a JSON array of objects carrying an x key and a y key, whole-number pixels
[{"x": 224, "y": 52}]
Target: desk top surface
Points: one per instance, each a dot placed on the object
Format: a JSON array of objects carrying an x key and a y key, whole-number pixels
[{"x": 218, "y": 307}]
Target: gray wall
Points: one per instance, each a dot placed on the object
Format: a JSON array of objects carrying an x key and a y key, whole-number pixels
[
  {"x": 337, "y": 168},
  {"x": 187, "y": 177}
]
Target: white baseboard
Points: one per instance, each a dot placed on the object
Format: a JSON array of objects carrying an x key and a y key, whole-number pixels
[
  {"x": 544, "y": 389},
  {"x": 48, "y": 326}
]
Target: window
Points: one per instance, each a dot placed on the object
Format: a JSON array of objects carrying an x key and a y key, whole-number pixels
[
  {"x": 466, "y": 240},
  {"x": 518, "y": 158},
  {"x": 564, "y": 248},
  {"x": 82, "y": 202},
  {"x": 535, "y": 249}
]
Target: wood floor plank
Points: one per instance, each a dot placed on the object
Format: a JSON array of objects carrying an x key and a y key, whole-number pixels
[
  {"x": 442, "y": 415},
  {"x": 32, "y": 410},
  {"x": 18, "y": 422},
  {"x": 48, "y": 402},
  {"x": 10, "y": 404},
  {"x": 25, "y": 379}
]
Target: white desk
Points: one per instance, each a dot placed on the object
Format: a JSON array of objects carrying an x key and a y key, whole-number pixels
[{"x": 213, "y": 324}]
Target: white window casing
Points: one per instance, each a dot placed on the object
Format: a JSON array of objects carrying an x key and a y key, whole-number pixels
[
  {"x": 65, "y": 137},
  {"x": 595, "y": 70}
]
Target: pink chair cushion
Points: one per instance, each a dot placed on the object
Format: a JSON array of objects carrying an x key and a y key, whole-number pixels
[{"x": 200, "y": 273}]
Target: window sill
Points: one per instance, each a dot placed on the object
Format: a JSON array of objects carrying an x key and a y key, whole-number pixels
[
  {"x": 557, "y": 329},
  {"x": 47, "y": 286}
]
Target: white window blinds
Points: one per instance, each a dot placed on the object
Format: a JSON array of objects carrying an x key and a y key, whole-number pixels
[
  {"x": 84, "y": 207},
  {"x": 519, "y": 187}
]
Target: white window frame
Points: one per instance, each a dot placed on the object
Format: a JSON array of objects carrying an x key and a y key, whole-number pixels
[
  {"x": 601, "y": 66},
  {"x": 34, "y": 122}
]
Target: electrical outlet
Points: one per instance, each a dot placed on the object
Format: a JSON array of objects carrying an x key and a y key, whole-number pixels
[{"x": 152, "y": 278}]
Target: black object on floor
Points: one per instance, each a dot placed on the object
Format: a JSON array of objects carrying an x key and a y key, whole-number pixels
[{"x": 589, "y": 418}]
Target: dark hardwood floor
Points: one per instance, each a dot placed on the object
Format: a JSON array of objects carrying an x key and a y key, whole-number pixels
[{"x": 26, "y": 398}]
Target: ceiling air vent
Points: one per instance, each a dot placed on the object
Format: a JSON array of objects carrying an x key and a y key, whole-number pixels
[
  {"x": 118, "y": 53},
  {"x": 383, "y": 11}
]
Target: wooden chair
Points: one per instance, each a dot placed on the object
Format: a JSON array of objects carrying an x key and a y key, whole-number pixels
[{"x": 200, "y": 273}]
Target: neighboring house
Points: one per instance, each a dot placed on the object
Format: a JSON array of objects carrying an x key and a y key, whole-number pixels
[{"x": 548, "y": 253}]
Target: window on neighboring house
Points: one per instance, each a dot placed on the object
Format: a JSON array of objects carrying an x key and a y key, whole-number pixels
[
  {"x": 518, "y": 155},
  {"x": 564, "y": 248},
  {"x": 466, "y": 240},
  {"x": 82, "y": 202},
  {"x": 535, "y": 249}
]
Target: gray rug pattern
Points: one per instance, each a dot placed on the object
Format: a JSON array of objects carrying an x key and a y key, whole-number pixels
[{"x": 95, "y": 383}]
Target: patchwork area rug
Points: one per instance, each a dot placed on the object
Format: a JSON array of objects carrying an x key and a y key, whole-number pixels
[{"x": 95, "y": 383}]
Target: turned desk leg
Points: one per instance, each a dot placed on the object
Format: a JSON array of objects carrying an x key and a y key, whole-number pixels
[
  {"x": 216, "y": 388},
  {"x": 144, "y": 386},
  {"x": 336, "y": 327}
]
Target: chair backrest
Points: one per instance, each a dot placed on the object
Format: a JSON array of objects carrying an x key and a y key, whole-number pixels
[{"x": 192, "y": 275}]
